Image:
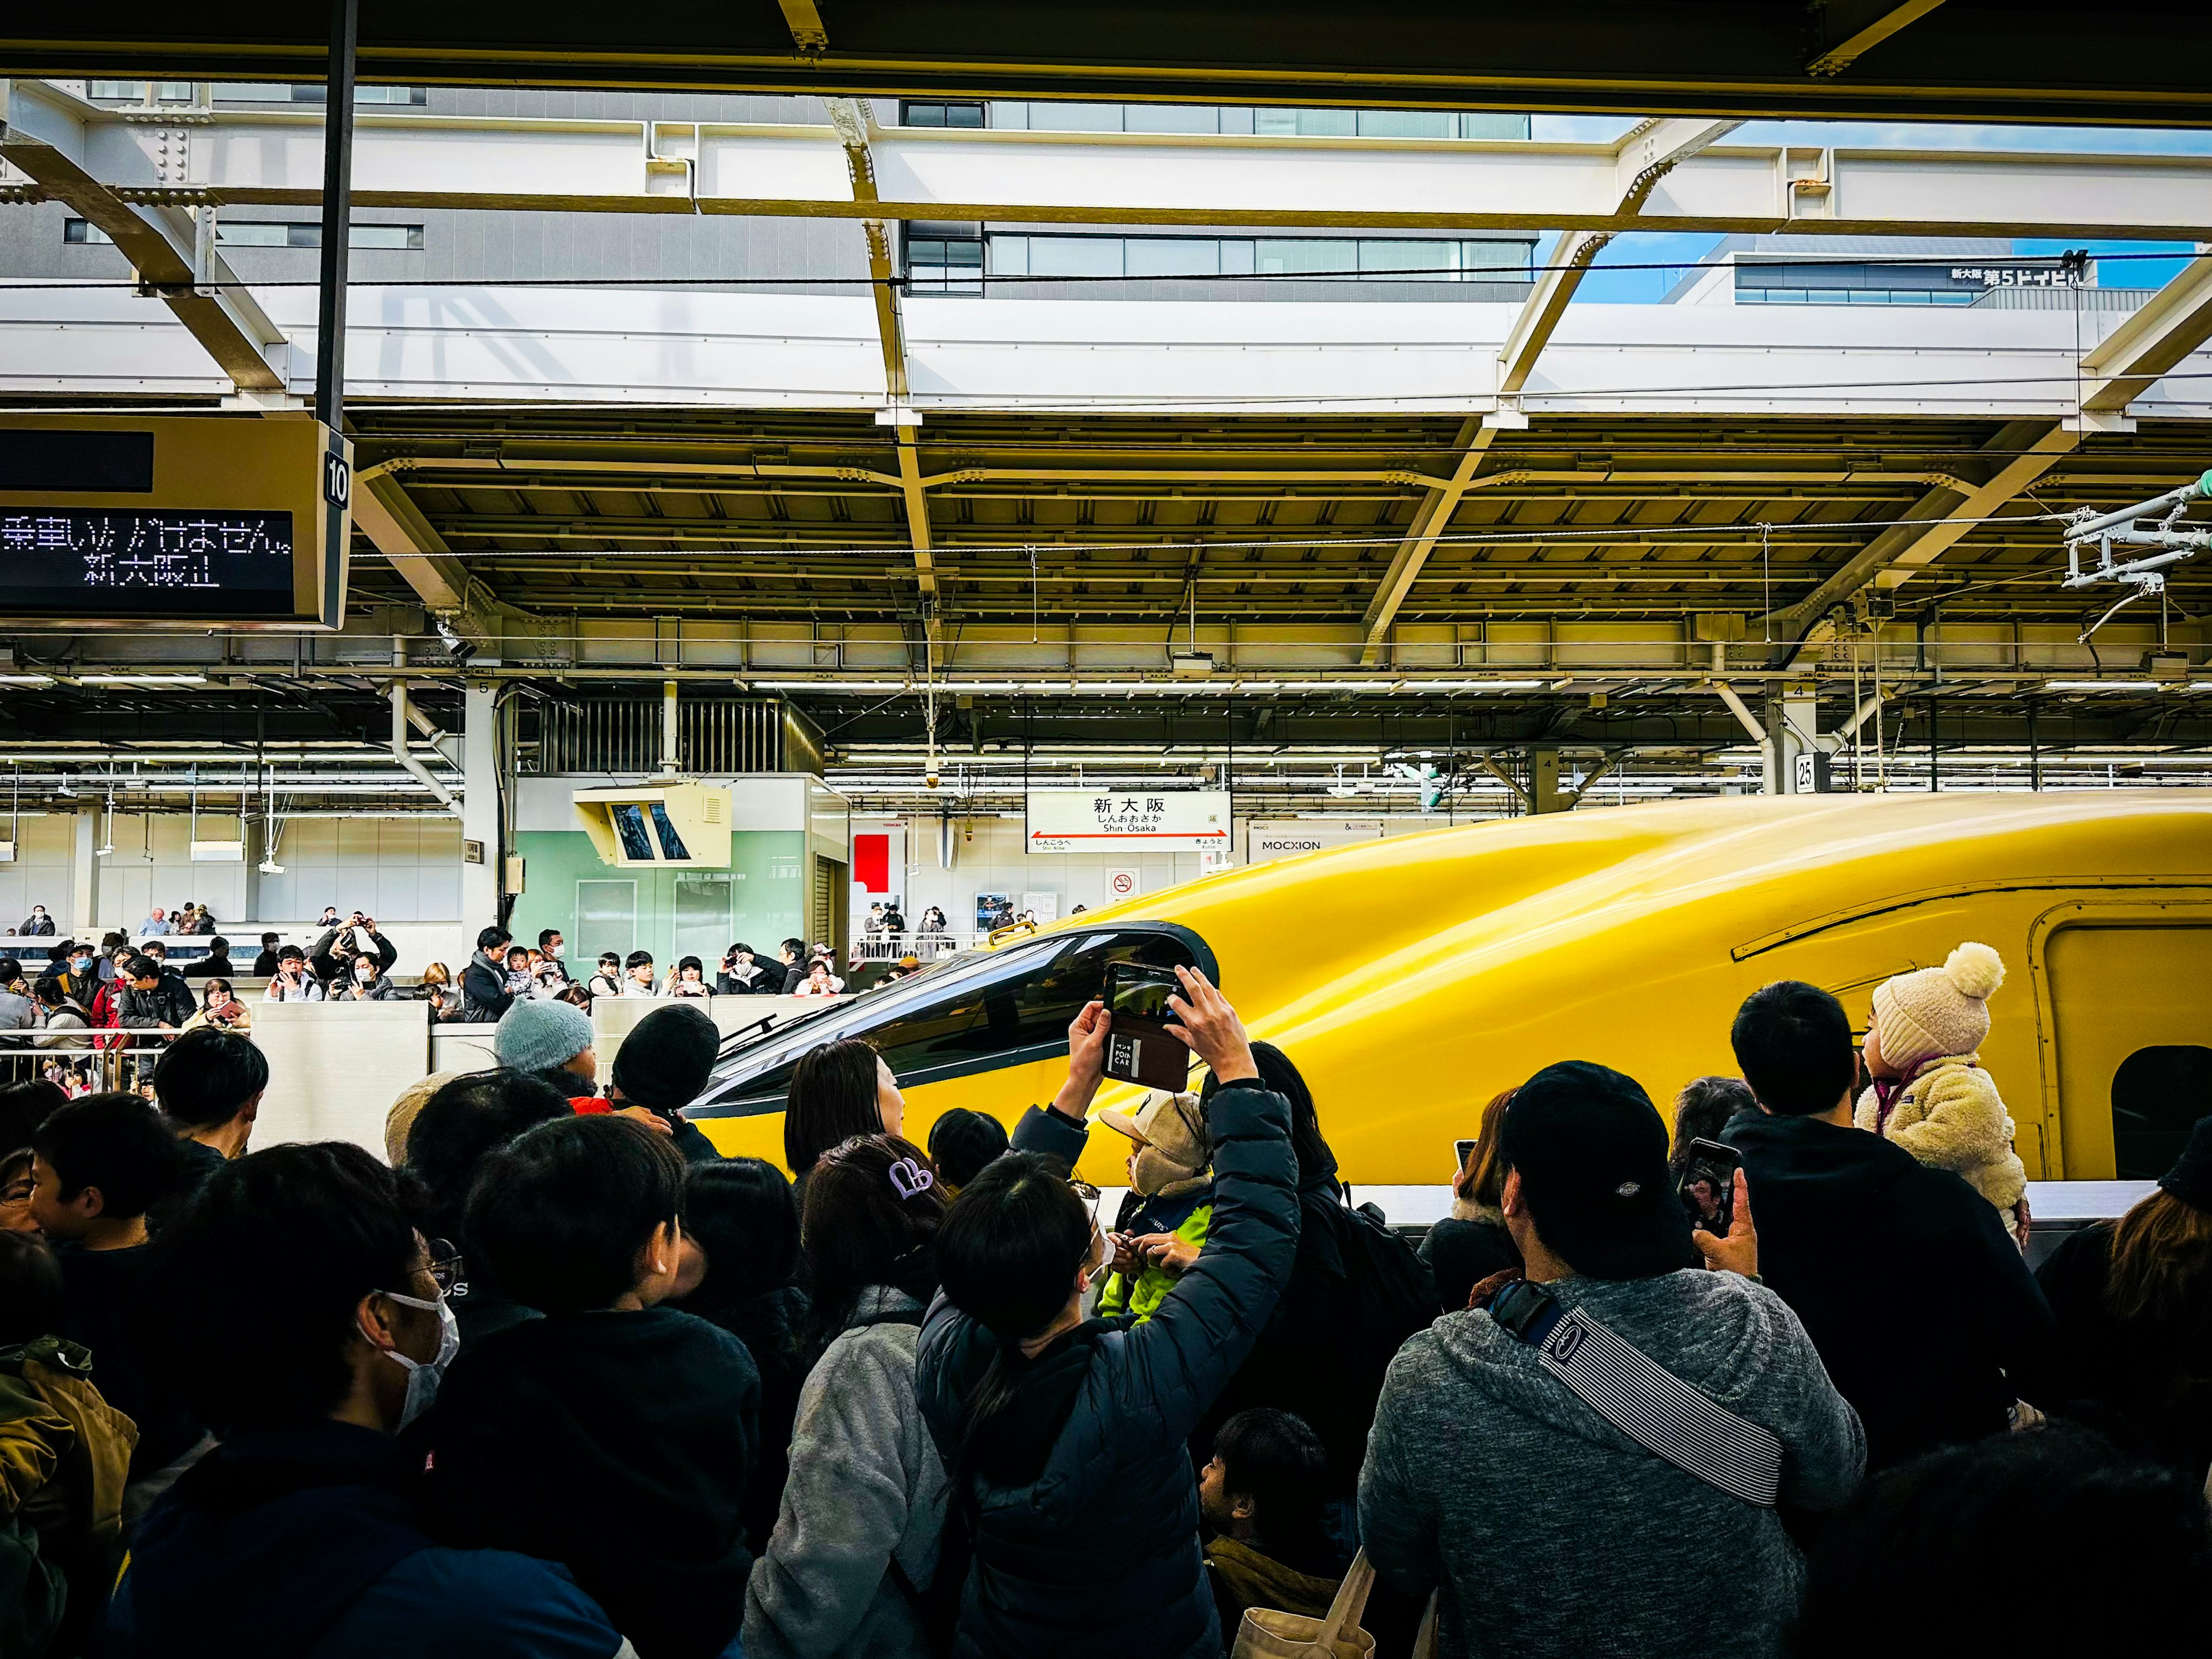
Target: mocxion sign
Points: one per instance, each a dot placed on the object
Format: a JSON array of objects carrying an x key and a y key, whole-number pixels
[
  {"x": 1282, "y": 840},
  {"x": 1127, "y": 821}
]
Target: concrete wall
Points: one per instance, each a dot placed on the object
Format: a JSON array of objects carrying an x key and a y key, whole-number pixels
[{"x": 42, "y": 873}]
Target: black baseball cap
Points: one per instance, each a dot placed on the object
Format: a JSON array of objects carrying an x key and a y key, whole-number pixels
[{"x": 1591, "y": 1153}]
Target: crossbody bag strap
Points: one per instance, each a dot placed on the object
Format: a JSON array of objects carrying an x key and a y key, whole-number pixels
[{"x": 1668, "y": 1417}]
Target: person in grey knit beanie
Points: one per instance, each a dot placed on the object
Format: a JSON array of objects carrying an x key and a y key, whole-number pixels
[{"x": 551, "y": 1039}]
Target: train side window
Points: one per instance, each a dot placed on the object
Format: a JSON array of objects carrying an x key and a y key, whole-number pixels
[
  {"x": 1028, "y": 1007},
  {"x": 2158, "y": 1095}
]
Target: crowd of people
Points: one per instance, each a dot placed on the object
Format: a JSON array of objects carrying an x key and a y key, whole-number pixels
[
  {"x": 563, "y": 1381},
  {"x": 56, "y": 1005}
]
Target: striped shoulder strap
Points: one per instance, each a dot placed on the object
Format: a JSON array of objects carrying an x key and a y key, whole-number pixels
[{"x": 1668, "y": 1417}]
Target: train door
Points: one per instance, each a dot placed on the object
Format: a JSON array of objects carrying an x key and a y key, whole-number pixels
[{"x": 2128, "y": 1033}]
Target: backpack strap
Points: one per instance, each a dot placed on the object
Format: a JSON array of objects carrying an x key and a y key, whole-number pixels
[{"x": 1669, "y": 1417}]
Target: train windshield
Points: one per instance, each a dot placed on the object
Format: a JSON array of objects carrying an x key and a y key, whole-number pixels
[{"x": 972, "y": 1012}]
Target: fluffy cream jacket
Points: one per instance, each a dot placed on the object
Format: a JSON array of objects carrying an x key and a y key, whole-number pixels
[{"x": 1951, "y": 1117}]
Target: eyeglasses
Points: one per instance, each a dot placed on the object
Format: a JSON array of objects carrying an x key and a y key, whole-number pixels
[{"x": 446, "y": 1268}]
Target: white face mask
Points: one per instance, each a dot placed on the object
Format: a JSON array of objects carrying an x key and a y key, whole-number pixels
[
  {"x": 423, "y": 1375},
  {"x": 364, "y": 973}
]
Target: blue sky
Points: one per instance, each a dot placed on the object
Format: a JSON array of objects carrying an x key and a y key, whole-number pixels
[{"x": 1619, "y": 287}]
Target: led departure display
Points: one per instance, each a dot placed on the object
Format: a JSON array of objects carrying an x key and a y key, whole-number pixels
[{"x": 141, "y": 563}]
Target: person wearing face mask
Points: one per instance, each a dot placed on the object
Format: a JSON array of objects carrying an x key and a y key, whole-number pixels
[
  {"x": 77, "y": 979},
  {"x": 615, "y": 1435},
  {"x": 301, "y": 1533},
  {"x": 364, "y": 983},
  {"x": 38, "y": 924}
]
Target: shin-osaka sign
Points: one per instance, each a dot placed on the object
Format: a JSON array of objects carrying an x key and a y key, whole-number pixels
[{"x": 1127, "y": 820}]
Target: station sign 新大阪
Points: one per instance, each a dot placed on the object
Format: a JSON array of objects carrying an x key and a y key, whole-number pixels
[
  {"x": 179, "y": 520},
  {"x": 1126, "y": 821}
]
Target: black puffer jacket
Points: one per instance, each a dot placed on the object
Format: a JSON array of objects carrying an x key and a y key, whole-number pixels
[
  {"x": 1324, "y": 1352},
  {"x": 1103, "y": 1415}
]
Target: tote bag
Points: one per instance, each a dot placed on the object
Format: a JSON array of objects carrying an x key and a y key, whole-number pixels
[{"x": 1266, "y": 1633}]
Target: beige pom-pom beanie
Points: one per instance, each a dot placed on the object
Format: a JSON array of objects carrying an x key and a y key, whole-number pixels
[{"x": 1933, "y": 1012}]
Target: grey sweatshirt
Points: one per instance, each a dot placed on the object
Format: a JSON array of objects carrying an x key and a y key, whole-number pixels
[
  {"x": 1547, "y": 1532},
  {"x": 866, "y": 1486}
]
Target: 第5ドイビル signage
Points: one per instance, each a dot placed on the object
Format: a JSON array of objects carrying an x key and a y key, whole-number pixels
[{"x": 1127, "y": 820}]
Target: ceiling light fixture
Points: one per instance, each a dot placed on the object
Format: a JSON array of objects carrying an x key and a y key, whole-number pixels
[{"x": 142, "y": 679}]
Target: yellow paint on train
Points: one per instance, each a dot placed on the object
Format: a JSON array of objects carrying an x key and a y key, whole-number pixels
[{"x": 1411, "y": 979}]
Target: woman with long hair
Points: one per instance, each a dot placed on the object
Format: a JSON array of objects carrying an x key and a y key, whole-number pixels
[
  {"x": 1472, "y": 1243},
  {"x": 849, "y": 1567},
  {"x": 740, "y": 1271},
  {"x": 221, "y": 1008},
  {"x": 2134, "y": 1303},
  {"x": 838, "y": 1090},
  {"x": 1070, "y": 1467}
]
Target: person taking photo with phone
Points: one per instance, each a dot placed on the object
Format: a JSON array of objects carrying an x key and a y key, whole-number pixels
[
  {"x": 1063, "y": 1436},
  {"x": 1526, "y": 1462}
]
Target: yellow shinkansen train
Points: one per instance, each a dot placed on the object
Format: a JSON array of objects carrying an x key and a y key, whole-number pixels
[{"x": 1411, "y": 979}]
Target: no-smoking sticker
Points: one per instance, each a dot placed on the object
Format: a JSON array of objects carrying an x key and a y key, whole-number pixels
[{"x": 1122, "y": 884}]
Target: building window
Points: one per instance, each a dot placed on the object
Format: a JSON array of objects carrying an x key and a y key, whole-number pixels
[
  {"x": 1240, "y": 120},
  {"x": 1338, "y": 259},
  {"x": 250, "y": 92},
  {"x": 917, "y": 113},
  {"x": 944, "y": 264},
  {"x": 248, "y": 233},
  {"x": 251, "y": 233}
]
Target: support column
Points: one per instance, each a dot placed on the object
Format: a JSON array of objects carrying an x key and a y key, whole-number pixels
[
  {"x": 1544, "y": 794},
  {"x": 480, "y": 814},
  {"x": 84, "y": 877},
  {"x": 1796, "y": 765},
  {"x": 670, "y": 738},
  {"x": 255, "y": 832}
]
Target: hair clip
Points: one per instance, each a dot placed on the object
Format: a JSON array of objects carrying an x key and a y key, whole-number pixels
[{"x": 911, "y": 1179}]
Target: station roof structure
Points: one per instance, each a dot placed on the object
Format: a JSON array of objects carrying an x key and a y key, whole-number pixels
[
  {"x": 1499, "y": 522},
  {"x": 2127, "y": 63}
]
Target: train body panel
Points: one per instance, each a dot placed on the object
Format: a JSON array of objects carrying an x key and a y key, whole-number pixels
[{"x": 1414, "y": 978}]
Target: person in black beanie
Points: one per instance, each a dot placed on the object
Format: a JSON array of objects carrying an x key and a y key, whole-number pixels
[
  {"x": 2133, "y": 1298},
  {"x": 662, "y": 1065}
]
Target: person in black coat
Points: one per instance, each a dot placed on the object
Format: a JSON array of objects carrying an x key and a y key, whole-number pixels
[
  {"x": 332, "y": 957},
  {"x": 154, "y": 998},
  {"x": 1337, "y": 1326},
  {"x": 484, "y": 995},
  {"x": 741, "y": 1247},
  {"x": 1472, "y": 1243},
  {"x": 614, "y": 1435},
  {"x": 2133, "y": 1299},
  {"x": 216, "y": 963},
  {"x": 1064, "y": 1437},
  {"x": 1908, "y": 1282}
]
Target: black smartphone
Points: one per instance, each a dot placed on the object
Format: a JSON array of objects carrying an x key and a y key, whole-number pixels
[
  {"x": 1463, "y": 1149},
  {"x": 1707, "y": 1189},
  {"x": 1138, "y": 1046}
]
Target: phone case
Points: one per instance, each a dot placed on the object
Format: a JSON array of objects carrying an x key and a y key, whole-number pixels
[{"x": 1142, "y": 1051}]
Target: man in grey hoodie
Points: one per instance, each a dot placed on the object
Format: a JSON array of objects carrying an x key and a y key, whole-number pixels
[{"x": 1545, "y": 1530}]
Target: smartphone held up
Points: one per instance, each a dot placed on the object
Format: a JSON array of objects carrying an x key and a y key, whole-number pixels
[
  {"x": 1707, "y": 1187},
  {"x": 1139, "y": 1048}
]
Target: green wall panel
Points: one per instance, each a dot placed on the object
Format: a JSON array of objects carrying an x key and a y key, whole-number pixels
[{"x": 766, "y": 896}]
